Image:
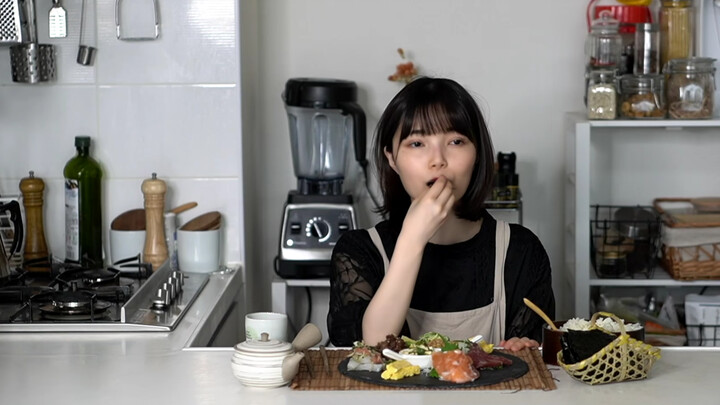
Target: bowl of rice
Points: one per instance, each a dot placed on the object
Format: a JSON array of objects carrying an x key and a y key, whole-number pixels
[{"x": 551, "y": 338}]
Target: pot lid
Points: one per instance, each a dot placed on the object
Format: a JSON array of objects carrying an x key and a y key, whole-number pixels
[{"x": 264, "y": 346}]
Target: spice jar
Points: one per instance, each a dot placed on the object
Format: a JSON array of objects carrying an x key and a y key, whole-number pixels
[
  {"x": 603, "y": 46},
  {"x": 642, "y": 96},
  {"x": 601, "y": 95},
  {"x": 677, "y": 30},
  {"x": 690, "y": 88}
]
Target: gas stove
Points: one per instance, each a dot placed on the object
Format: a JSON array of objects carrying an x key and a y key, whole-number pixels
[{"x": 125, "y": 297}]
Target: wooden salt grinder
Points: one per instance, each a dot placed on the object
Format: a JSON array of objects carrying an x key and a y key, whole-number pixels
[
  {"x": 32, "y": 189},
  {"x": 155, "y": 251}
]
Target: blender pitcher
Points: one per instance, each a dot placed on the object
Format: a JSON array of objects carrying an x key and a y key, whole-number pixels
[{"x": 322, "y": 117}]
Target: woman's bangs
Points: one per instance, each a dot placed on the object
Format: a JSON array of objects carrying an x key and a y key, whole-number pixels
[{"x": 435, "y": 118}]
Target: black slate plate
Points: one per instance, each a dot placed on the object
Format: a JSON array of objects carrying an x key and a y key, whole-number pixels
[{"x": 487, "y": 377}]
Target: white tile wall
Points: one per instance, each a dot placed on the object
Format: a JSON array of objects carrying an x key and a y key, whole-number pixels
[{"x": 169, "y": 106}]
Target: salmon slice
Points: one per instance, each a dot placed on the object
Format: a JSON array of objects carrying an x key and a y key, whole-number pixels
[{"x": 454, "y": 366}]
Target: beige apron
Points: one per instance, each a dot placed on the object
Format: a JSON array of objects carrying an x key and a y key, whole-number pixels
[{"x": 488, "y": 321}]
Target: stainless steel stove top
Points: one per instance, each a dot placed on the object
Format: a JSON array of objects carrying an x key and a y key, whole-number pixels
[{"x": 156, "y": 303}]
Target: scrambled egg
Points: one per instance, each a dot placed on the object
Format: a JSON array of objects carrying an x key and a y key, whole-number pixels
[
  {"x": 399, "y": 369},
  {"x": 487, "y": 347}
]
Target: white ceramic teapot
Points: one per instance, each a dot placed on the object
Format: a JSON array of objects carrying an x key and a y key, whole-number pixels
[{"x": 272, "y": 363}]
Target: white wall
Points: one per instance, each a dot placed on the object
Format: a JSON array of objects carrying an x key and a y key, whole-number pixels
[
  {"x": 522, "y": 59},
  {"x": 170, "y": 106}
]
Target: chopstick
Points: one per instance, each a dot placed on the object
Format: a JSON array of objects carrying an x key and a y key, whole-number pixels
[
  {"x": 326, "y": 363},
  {"x": 307, "y": 363}
]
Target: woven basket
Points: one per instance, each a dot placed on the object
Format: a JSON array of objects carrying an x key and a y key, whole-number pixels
[
  {"x": 623, "y": 359},
  {"x": 699, "y": 262}
]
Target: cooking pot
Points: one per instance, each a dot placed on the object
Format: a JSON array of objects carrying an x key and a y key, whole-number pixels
[
  {"x": 13, "y": 208},
  {"x": 271, "y": 363}
]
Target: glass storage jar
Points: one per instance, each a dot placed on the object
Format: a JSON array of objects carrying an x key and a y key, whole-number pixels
[
  {"x": 642, "y": 96},
  {"x": 603, "y": 45},
  {"x": 601, "y": 95},
  {"x": 690, "y": 88},
  {"x": 677, "y": 30}
]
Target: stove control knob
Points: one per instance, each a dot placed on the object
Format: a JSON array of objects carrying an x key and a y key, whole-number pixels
[
  {"x": 178, "y": 275},
  {"x": 178, "y": 279},
  {"x": 318, "y": 228},
  {"x": 161, "y": 300},
  {"x": 170, "y": 290},
  {"x": 176, "y": 284}
]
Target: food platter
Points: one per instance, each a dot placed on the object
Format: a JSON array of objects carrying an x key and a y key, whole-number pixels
[{"x": 487, "y": 377}]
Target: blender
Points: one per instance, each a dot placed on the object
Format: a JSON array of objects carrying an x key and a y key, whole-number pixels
[{"x": 323, "y": 118}]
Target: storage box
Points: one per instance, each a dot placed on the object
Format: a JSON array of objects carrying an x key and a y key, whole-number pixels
[{"x": 690, "y": 240}]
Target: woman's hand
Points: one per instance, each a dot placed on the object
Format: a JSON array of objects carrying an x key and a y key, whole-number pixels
[
  {"x": 516, "y": 344},
  {"x": 428, "y": 212}
]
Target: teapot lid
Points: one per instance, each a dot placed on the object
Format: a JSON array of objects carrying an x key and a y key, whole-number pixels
[{"x": 264, "y": 346}]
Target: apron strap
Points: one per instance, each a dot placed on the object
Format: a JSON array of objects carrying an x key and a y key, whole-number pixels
[{"x": 375, "y": 237}]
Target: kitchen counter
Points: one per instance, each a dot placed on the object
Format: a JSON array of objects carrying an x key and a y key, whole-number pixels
[{"x": 79, "y": 371}]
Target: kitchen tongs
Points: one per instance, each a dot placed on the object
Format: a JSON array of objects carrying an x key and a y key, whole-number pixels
[{"x": 121, "y": 34}]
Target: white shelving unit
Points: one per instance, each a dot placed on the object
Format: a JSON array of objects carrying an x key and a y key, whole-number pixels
[{"x": 630, "y": 162}]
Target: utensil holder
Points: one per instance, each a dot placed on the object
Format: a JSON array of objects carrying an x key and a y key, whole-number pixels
[{"x": 32, "y": 62}]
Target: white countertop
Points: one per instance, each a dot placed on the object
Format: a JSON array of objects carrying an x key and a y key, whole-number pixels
[
  {"x": 166, "y": 368},
  {"x": 203, "y": 376}
]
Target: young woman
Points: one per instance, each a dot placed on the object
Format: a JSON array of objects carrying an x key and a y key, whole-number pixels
[{"x": 440, "y": 263}]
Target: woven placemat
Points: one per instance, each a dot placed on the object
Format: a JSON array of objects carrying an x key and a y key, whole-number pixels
[{"x": 537, "y": 378}]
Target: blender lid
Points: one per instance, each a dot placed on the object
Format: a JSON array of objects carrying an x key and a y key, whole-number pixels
[{"x": 319, "y": 93}]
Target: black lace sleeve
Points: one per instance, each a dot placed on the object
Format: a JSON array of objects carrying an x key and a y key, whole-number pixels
[
  {"x": 357, "y": 270},
  {"x": 528, "y": 275}
]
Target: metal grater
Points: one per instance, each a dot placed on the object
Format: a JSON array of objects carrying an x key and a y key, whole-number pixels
[
  {"x": 57, "y": 21},
  {"x": 10, "y": 28}
]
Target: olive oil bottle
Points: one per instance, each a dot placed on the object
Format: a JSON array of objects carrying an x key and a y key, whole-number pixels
[{"x": 83, "y": 208}]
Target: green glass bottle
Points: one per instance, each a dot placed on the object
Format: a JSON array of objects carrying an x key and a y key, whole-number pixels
[{"x": 83, "y": 208}]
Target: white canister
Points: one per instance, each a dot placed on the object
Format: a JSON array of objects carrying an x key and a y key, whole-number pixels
[{"x": 198, "y": 251}]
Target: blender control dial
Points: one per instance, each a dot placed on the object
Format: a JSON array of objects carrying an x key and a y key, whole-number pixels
[{"x": 318, "y": 228}]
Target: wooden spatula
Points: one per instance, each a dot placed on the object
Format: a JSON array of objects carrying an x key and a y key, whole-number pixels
[
  {"x": 204, "y": 222},
  {"x": 132, "y": 220}
]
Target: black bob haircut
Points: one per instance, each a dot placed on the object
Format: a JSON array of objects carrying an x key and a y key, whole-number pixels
[{"x": 433, "y": 105}]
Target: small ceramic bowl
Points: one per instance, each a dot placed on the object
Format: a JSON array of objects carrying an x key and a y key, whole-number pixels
[
  {"x": 424, "y": 361},
  {"x": 551, "y": 341}
]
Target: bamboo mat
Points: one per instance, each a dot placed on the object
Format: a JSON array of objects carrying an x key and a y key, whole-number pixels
[{"x": 537, "y": 378}]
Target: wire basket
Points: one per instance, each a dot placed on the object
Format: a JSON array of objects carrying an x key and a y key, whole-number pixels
[
  {"x": 623, "y": 359},
  {"x": 703, "y": 335},
  {"x": 624, "y": 240}
]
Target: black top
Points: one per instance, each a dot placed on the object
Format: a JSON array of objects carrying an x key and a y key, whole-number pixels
[{"x": 451, "y": 278}]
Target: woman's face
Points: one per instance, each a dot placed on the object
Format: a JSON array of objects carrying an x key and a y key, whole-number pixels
[{"x": 420, "y": 159}]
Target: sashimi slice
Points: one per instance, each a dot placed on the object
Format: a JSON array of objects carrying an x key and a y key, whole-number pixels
[{"x": 454, "y": 366}]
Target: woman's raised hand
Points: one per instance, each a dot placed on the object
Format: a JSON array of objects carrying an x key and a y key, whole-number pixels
[{"x": 429, "y": 211}]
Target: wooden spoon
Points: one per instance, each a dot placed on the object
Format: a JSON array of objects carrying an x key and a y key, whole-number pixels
[
  {"x": 540, "y": 312},
  {"x": 132, "y": 220},
  {"x": 183, "y": 208},
  {"x": 203, "y": 222}
]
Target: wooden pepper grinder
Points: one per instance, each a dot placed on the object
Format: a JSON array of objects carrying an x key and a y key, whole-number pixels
[
  {"x": 155, "y": 251},
  {"x": 32, "y": 189}
]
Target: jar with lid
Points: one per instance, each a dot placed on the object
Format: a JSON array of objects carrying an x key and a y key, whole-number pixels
[
  {"x": 690, "y": 88},
  {"x": 601, "y": 95},
  {"x": 647, "y": 52},
  {"x": 603, "y": 46},
  {"x": 642, "y": 96},
  {"x": 677, "y": 30}
]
